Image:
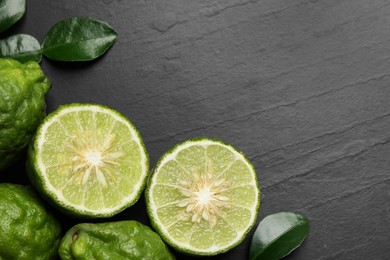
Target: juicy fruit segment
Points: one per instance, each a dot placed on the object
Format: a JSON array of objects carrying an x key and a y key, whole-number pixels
[
  {"x": 27, "y": 229},
  {"x": 88, "y": 159},
  {"x": 113, "y": 240},
  {"x": 22, "y": 107},
  {"x": 203, "y": 197}
]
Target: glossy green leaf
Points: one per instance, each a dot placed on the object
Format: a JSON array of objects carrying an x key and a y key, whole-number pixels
[
  {"x": 78, "y": 39},
  {"x": 10, "y": 12},
  {"x": 278, "y": 235},
  {"x": 21, "y": 47}
]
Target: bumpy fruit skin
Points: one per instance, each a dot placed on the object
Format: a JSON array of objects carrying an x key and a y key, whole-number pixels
[
  {"x": 27, "y": 229},
  {"x": 22, "y": 106},
  {"x": 113, "y": 240}
]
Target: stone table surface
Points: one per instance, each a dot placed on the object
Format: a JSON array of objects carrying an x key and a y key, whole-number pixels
[{"x": 302, "y": 87}]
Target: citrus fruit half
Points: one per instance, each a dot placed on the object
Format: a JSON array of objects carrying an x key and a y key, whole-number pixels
[
  {"x": 203, "y": 197},
  {"x": 89, "y": 160}
]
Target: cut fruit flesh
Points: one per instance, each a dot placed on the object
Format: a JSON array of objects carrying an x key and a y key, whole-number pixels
[
  {"x": 90, "y": 160},
  {"x": 203, "y": 197}
]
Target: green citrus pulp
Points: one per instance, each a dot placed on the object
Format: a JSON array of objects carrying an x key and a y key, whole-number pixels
[
  {"x": 203, "y": 197},
  {"x": 89, "y": 160}
]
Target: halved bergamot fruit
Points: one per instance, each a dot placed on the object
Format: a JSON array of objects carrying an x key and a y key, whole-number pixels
[
  {"x": 203, "y": 197},
  {"x": 89, "y": 160}
]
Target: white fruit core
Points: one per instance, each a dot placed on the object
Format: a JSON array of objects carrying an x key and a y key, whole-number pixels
[
  {"x": 203, "y": 196},
  {"x": 94, "y": 158}
]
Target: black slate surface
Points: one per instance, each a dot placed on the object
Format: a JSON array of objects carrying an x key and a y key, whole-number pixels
[{"x": 300, "y": 86}]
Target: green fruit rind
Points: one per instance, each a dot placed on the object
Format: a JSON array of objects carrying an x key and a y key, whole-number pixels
[
  {"x": 42, "y": 184},
  {"x": 159, "y": 227},
  {"x": 113, "y": 240},
  {"x": 27, "y": 229},
  {"x": 22, "y": 107}
]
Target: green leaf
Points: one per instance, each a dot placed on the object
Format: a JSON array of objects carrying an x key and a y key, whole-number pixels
[
  {"x": 278, "y": 235},
  {"x": 10, "y": 12},
  {"x": 78, "y": 39},
  {"x": 21, "y": 47}
]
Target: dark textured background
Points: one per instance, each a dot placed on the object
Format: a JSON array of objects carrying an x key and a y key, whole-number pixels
[{"x": 300, "y": 86}]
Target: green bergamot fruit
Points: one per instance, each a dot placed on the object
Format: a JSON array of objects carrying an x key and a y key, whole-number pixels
[
  {"x": 113, "y": 240},
  {"x": 22, "y": 106},
  {"x": 27, "y": 229}
]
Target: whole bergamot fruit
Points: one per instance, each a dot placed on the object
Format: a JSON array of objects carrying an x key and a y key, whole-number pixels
[
  {"x": 27, "y": 229},
  {"x": 22, "y": 106},
  {"x": 113, "y": 240}
]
